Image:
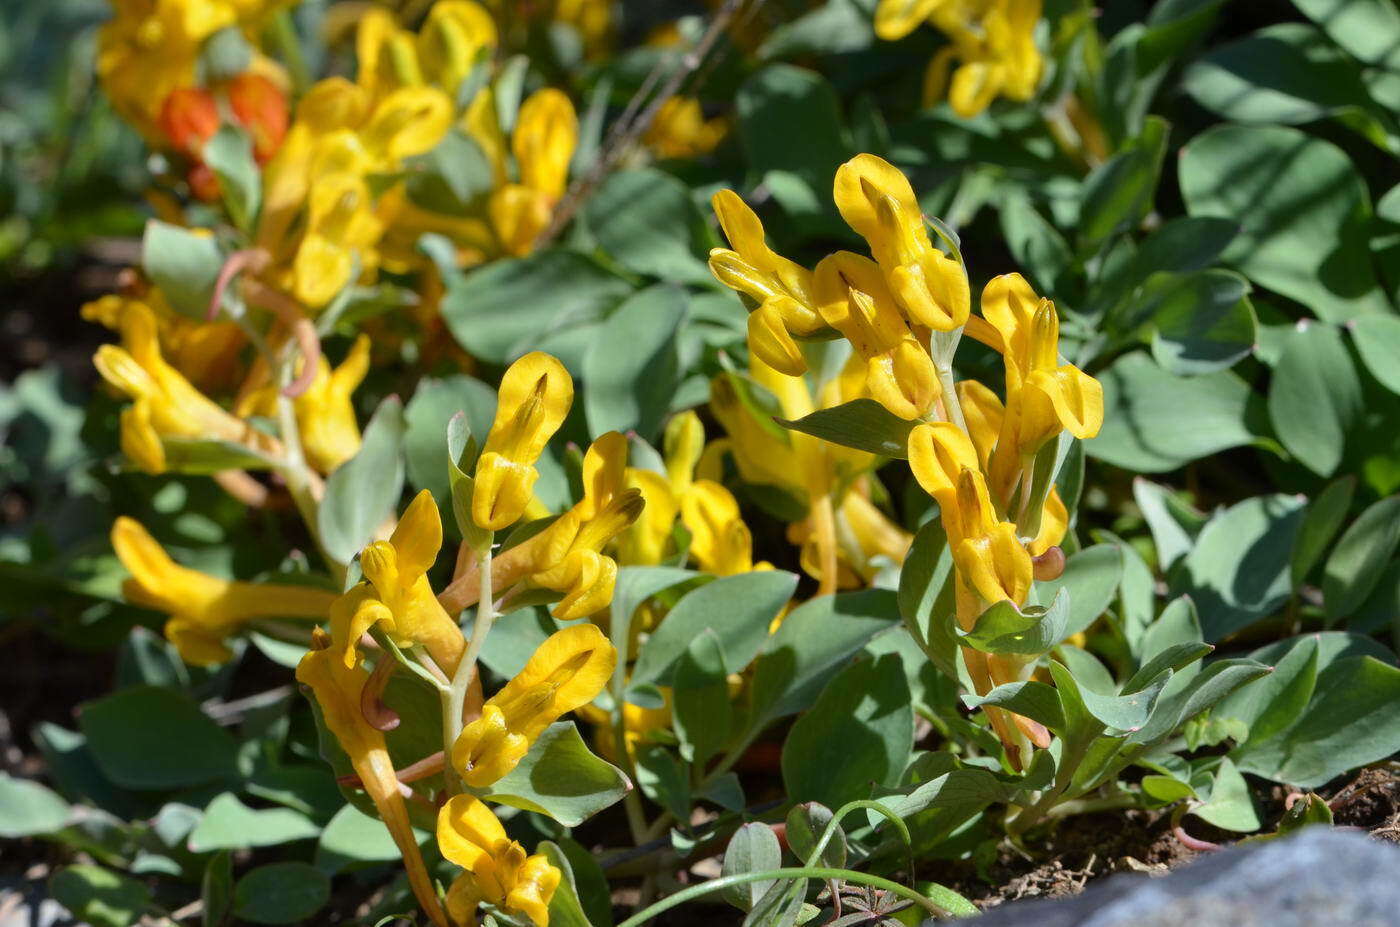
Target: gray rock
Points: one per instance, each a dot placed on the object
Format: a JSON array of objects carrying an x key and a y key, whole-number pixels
[{"x": 1319, "y": 878}]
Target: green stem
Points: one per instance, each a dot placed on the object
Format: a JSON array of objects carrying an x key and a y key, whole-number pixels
[
  {"x": 296, "y": 472},
  {"x": 455, "y": 698},
  {"x": 284, "y": 34},
  {"x": 803, "y": 872}
]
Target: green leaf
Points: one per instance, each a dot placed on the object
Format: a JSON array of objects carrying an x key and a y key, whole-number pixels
[
  {"x": 1287, "y": 73},
  {"x": 1165, "y": 789},
  {"x": 1173, "y": 658},
  {"x": 508, "y": 307},
  {"x": 1303, "y": 212},
  {"x": 198, "y": 457},
  {"x": 1129, "y": 712},
  {"x": 664, "y": 779},
  {"x": 737, "y": 608},
  {"x": 805, "y": 825},
  {"x": 1118, "y": 193},
  {"x": 1090, "y": 581},
  {"x": 352, "y": 839},
  {"x": 632, "y": 369},
  {"x": 1173, "y": 522},
  {"x": 216, "y": 889},
  {"x": 1035, "y": 700},
  {"x": 565, "y": 908},
  {"x": 814, "y": 640},
  {"x": 700, "y": 699},
  {"x": 230, "y": 155},
  {"x": 1377, "y": 340},
  {"x": 561, "y": 778},
  {"x": 149, "y": 738},
  {"x": 830, "y": 28},
  {"x": 1368, "y": 29},
  {"x": 1238, "y": 572},
  {"x": 590, "y": 884},
  {"x": 1311, "y": 809},
  {"x": 781, "y": 103},
  {"x": 1321, "y": 523},
  {"x": 451, "y": 178},
  {"x": 1178, "y": 624},
  {"x": 968, "y": 788},
  {"x": 1231, "y": 804},
  {"x": 925, "y": 596},
  {"x": 1349, "y": 722},
  {"x": 99, "y": 897},
  {"x": 1355, "y": 564},
  {"x": 364, "y": 491},
  {"x": 1032, "y": 630},
  {"x": 228, "y": 824},
  {"x": 434, "y": 403},
  {"x": 281, "y": 893},
  {"x": 1185, "y": 697},
  {"x": 863, "y": 424},
  {"x": 184, "y": 265},
  {"x": 1181, "y": 245},
  {"x": 1155, "y": 421},
  {"x": 1273, "y": 704},
  {"x": 753, "y": 848},
  {"x": 1204, "y": 324},
  {"x": 1315, "y": 396},
  {"x": 646, "y": 220},
  {"x": 1034, "y": 243},
  {"x": 860, "y": 731},
  {"x": 28, "y": 808}
]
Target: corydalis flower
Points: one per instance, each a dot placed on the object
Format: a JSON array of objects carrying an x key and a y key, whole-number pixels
[
  {"x": 566, "y": 672},
  {"x": 204, "y": 610}
]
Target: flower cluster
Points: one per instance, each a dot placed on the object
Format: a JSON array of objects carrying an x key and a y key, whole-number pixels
[
  {"x": 991, "y": 49},
  {"x": 902, "y": 312}
]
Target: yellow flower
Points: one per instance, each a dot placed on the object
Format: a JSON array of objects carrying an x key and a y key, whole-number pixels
[
  {"x": 993, "y": 39},
  {"x": 319, "y": 213},
  {"x": 720, "y": 542},
  {"x": 566, "y": 672},
  {"x": 638, "y": 724},
  {"x": 339, "y": 689},
  {"x": 998, "y": 54},
  {"x": 989, "y": 556},
  {"x": 204, "y": 610},
  {"x": 894, "y": 19},
  {"x": 497, "y": 869},
  {"x": 166, "y": 404},
  {"x": 1043, "y": 396},
  {"x": 646, "y": 541},
  {"x": 680, "y": 130},
  {"x": 938, "y": 454},
  {"x": 543, "y": 142},
  {"x": 781, "y": 289},
  {"x": 854, "y": 300},
  {"x": 546, "y": 133},
  {"x": 535, "y": 396},
  {"x": 454, "y": 38},
  {"x": 876, "y": 200},
  {"x": 396, "y": 594},
  {"x": 570, "y": 558},
  {"x": 206, "y": 353},
  {"x": 149, "y": 48},
  {"x": 329, "y": 433}
]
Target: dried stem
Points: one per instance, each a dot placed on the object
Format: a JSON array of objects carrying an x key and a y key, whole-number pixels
[{"x": 635, "y": 120}]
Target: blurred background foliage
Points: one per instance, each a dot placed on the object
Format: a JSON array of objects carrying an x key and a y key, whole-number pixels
[{"x": 1207, "y": 189}]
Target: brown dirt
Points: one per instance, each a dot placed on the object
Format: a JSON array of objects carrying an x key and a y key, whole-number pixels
[{"x": 1094, "y": 846}]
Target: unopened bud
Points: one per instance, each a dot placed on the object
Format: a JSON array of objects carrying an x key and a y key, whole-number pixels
[{"x": 1049, "y": 565}]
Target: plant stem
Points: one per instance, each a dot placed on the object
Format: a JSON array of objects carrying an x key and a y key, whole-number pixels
[
  {"x": 456, "y": 696},
  {"x": 803, "y": 872}
]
